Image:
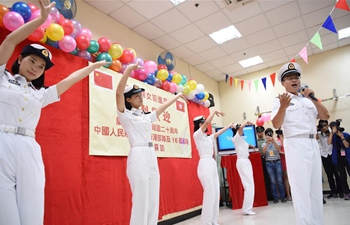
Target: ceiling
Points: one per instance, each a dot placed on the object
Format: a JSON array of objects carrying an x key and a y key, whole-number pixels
[{"x": 276, "y": 30}]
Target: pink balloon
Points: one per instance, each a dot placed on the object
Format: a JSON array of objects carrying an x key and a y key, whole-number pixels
[
  {"x": 265, "y": 117},
  {"x": 67, "y": 43},
  {"x": 141, "y": 74},
  {"x": 173, "y": 87},
  {"x": 150, "y": 67},
  {"x": 86, "y": 32},
  {"x": 36, "y": 14},
  {"x": 12, "y": 20}
]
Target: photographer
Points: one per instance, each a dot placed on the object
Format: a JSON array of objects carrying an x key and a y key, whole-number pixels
[
  {"x": 271, "y": 149},
  {"x": 323, "y": 133},
  {"x": 341, "y": 154}
]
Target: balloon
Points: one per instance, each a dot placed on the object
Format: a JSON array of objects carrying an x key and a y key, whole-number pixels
[
  {"x": 105, "y": 44},
  {"x": 32, "y": 7},
  {"x": 3, "y": 11},
  {"x": 259, "y": 122},
  {"x": 158, "y": 83},
  {"x": 207, "y": 103},
  {"x": 162, "y": 66},
  {"x": 139, "y": 61},
  {"x": 165, "y": 85},
  {"x": 123, "y": 68},
  {"x": 104, "y": 56},
  {"x": 173, "y": 87},
  {"x": 82, "y": 42},
  {"x": 200, "y": 95},
  {"x": 44, "y": 39},
  {"x": 23, "y": 9},
  {"x": 180, "y": 88},
  {"x": 55, "y": 15},
  {"x": 94, "y": 47},
  {"x": 67, "y": 43},
  {"x": 183, "y": 80},
  {"x": 116, "y": 65},
  {"x": 77, "y": 28},
  {"x": 115, "y": 50},
  {"x": 177, "y": 78},
  {"x": 265, "y": 117},
  {"x": 37, "y": 35},
  {"x": 162, "y": 74},
  {"x": 67, "y": 26},
  {"x": 186, "y": 90},
  {"x": 74, "y": 52},
  {"x": 190, "y": 96},
  {"x": 192, "y": 84},
  {"x": 133, "y": 51},
  {"x": 170, "y": 77},
  {"x": 13, "y": 20},
  {"x": 36, "y": 14},
  {"x": 199, "y": 88},
  {"x": 55, "y": 32},
  {"x": 150, "y": 66},
  {"x": 86, "y": 32},
  {"x": 150, "y": 79},
  {"x": 206, "y": 97},
  {"x": 84, "y": 54},
  {"x": 141, "y": 74},
  {"x": 128, "y": 56},
  {"x": 52, "y": 43}
]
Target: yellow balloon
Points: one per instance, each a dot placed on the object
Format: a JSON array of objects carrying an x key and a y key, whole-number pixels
[
  {"x": 115, "y": 51},
  {"x": 55, "y": 32},
  {"x": 206, "y": 96},
  {"x": 44, "y": 39},
  {"x": 162, "y": 74},
  {"x": 177, "y": 78},
  {"x": 187, "y": 90},
  {"x": 192, "y": 84}
]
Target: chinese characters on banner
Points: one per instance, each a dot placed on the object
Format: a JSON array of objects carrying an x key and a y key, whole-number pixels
[{"x": 170, "y": 134}]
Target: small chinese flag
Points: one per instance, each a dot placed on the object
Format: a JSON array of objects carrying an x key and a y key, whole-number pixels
[
  {"x": 103, "y": 80},
  {"x": 180, "y": 106}
]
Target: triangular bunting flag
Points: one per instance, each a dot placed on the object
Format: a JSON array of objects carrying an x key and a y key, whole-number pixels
[
  {"x": 242, "y": 85},
  {"x": 341, "y": 4},
  {"x": 303, "y": 54},
  {"x": 329, "y": 25},
  {"x": 249, "y": 84},
  {"x": 316, "y": 40},
  {"x": 264, "y": 82},
  {"x": 236, "y": 82},
  {"x": 231, "y": 78},
  {"x": 293, "y": 60},
  {"x": 273, "y": 78},
  {"x": 226, "y": 78},
  {"x": 256, "y": 84}
]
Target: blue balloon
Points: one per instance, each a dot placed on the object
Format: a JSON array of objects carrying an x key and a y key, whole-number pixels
[
  {"x": 52, "y": 43},
  {"x": 23, "y": 9},
  {"x": 151, "y": 78},
  {"x": 200, "y": 95},
  {"x": 170, "y": 77},
  {"x": 105, "y": 56}
]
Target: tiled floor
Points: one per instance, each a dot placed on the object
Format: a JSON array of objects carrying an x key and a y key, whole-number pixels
[{"x": 336, "y": 212}]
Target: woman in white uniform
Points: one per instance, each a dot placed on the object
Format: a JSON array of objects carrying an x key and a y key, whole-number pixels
[
  {"x": 207, "y": 168},
  {"x": 22, "y": 96},
  {"x": 244, "y": 168},
  {"x": 142, "y": 165}
]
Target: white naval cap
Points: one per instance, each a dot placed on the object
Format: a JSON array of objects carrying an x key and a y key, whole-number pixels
[{"x": 288, "y": 68}]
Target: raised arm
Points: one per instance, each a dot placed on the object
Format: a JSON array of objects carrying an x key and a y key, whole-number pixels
[
  {"x": 160, "y": 109},
  {"x": 240, "y": 130},
  {"x": 284, "y": 103},
  {"x": 17, "y": 36},
  {"x": 209, "y": 119},
  {"x": 76, "y": 76},
  {"x": 217, "y": 134}
]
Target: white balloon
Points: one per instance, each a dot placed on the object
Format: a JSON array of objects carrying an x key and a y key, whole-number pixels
[
  {"x": 198, "y": 89},
  {"x": 207, "y": 103},
  {"x": 190, "y": 95},
  {"x": 180, "y": 88}
]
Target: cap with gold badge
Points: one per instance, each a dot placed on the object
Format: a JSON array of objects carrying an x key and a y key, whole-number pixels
[
  {"x": 199, "y": 119},
  {"x": 289, "y": 68},
  {"x": 132, "y": 89},
  {"x": 40, "y": 51}
]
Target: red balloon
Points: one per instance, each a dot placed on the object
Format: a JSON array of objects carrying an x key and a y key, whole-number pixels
[
  {"x": 61, "y": 19},
  {"x": 165, "y": 85},
  {"x": 82, "y": 42},
  {"x": 67, "y": 26},
  {"x": 162, "y": 66},
  {"x": 259, "y": 122},
  {"x": 127, "y": 57},
  {"x": 104, "y": 43},
  {"x": 32, "y": 7},
  {"x": 37, "y": 35}
]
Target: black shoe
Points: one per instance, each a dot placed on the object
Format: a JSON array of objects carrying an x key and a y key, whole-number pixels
[
  {"x": 330, "y": 196},
  {"x": 324, "y": 201},
  {"x": 341, "y": 195},
  {"x": 283, "y": 200},
  {"x": 275, "y": 201},
  {"x": 335, "y": 196}
]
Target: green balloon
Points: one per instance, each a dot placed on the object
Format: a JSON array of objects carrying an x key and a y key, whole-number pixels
[
  {"x": 94, "y": 46},
  {"x": 105, "y": 56}
]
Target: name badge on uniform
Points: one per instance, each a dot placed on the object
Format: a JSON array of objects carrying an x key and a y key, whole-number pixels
[
  {"x": 14, "y": 82},
  {"x": 271, "y": 153},
  {"x": 342, "y": 152}
]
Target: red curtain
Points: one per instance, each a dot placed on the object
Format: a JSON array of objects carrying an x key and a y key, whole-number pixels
[{"x": 91, "y": 190}]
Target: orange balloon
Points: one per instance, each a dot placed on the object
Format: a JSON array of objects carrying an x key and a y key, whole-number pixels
[
  {"x": 116, "y": 65},
  {"x": 3, "y": 11}
]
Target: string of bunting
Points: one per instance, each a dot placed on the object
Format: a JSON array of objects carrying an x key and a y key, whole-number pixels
[{"x": 316, "y": 40}]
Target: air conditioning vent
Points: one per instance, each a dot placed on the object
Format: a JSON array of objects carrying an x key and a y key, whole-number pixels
[{"x": 235, "y": 4}]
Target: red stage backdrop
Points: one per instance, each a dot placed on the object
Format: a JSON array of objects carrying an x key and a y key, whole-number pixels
[{"x": 92, "y": 190}]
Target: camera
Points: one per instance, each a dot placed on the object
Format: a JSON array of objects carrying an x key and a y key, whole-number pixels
[
  {"x": 269, "y": 133},
  {"x": 336, "y": 124},
  {"x": 279, "y": 132}
]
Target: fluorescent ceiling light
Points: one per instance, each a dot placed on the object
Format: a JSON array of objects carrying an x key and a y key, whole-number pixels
[
  {"x": 225, "y": 34},
  {"x": 176, "y": 2},
  {"x": 251, "y": 61},
  {"x": 344, "y": 33}
]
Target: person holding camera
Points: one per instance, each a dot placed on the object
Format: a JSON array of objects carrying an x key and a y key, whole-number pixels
[
  {"x": 323, "y": 133},
  {"x": 271, "y": 148},
  {"x": 244, "y": 167},
  {"x": 340, "y": 154}
]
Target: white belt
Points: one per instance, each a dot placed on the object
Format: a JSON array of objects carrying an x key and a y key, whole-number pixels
[
  {"x": 206, "y": 156},
  {"x": 148, "y": 144},
  {"x": 17, "y": 130},
  {"x": 310, "y": 136}
]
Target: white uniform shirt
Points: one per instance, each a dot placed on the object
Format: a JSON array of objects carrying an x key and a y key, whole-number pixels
[
  {"x": 204, "y": 143},
  {"x": 300, "y": 116},
  {"x": 20, "y": 102},
  {"x": 137, "y": 125},
  {"x": 241, "y": 146},
  {"x": 325, "y": 148}
]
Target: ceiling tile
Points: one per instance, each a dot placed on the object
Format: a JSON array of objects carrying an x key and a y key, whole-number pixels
[
  {"x": 317, "y": 17},
  {"x": 194, "y": 60},
  {"x": 235, "y": 45},
  {"x": 204, "y": 67},
  {"x": 146, "y": 8},
  {"x": 283, "y": 13},
  {"x": 261, "y": 37},
  {"x": 277, "y": 62},
  {"x": 214, "y": 73},
  {"x": 243, "y": 13},
  {"x": 267, "y": 5},
  {"x": 128, "y": 17},
  {"x": 239, "y": 73},
  {"x": 213, "y": 23},
  {"x": 234, "y": 67},
  {"x": 271, "y": 56},
  {"x": 201, "y": 44},
  {"x": 289, "y": 27},
  {"x": 107, "y": 7},
  {"x": 256, "y": 68},
  {"x": 328, "y": 39},
  {"x": 326, "y": 48},
  {"x": 167, "y": 21},
  {"x": 295, "y": 49},
  {"x": 295, "y": 38},
  {"x": 223, "y": 61},
  {"x": 149, "y": 31},
  {"x": 181, "y": 52},
  {"x": 267, "y": 47},
  {"x": 245, "y": 54},
  {"x": 343, "y": 22},
  {"x": 307, "y": 6},
  {"x": 187, "y": 34},
  {"x": 193, "y": 13},
  {"x": 252, "y": 25},
  {"x": 166, "y": 42},
  {"x": 213, "y": 53}
]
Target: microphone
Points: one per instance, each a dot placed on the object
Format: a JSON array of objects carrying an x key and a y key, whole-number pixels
[{"x": 312, "y": 96}]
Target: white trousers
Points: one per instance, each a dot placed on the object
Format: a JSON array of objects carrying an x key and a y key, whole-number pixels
[
  {"x": 245, "y": 172},
  {"x": 22, "y": 181},
  {"x": 208, "y": 175},
  {"x": 143, "y": 173},
  {"x": 305, "y": 177}
]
